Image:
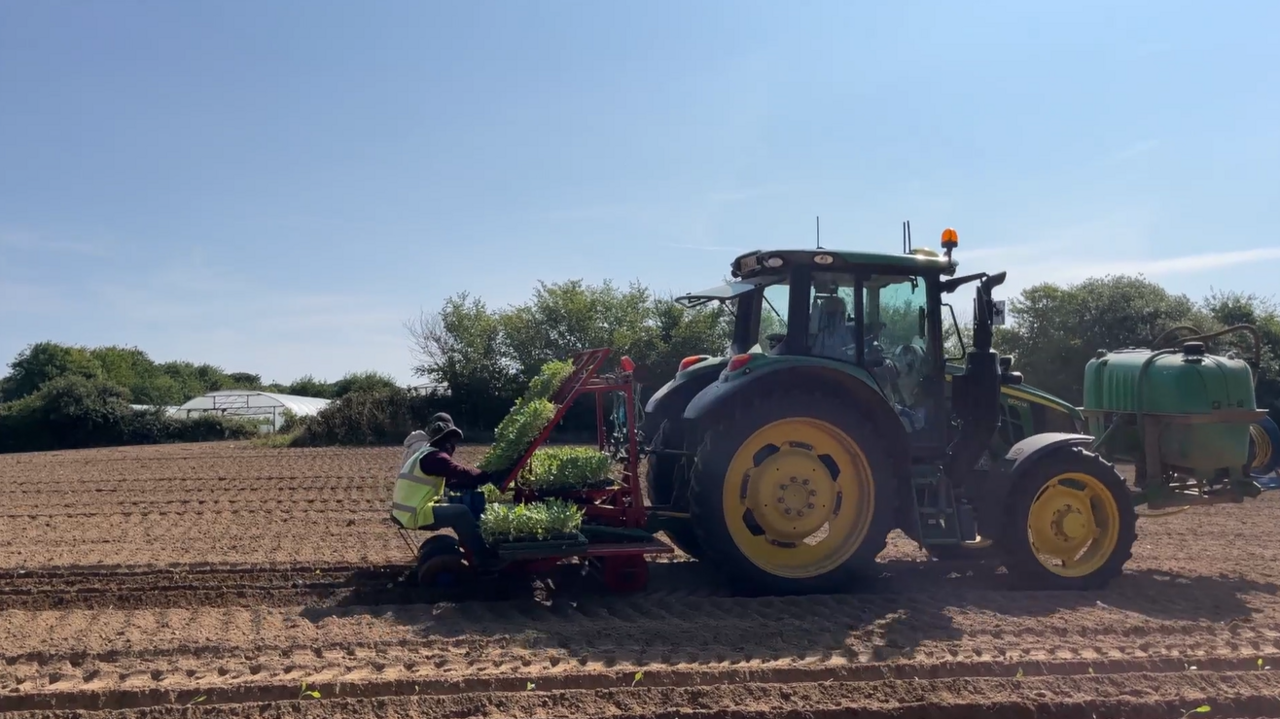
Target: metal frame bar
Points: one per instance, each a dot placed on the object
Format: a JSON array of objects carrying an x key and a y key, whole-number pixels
[{"x": 623, "y": 506}]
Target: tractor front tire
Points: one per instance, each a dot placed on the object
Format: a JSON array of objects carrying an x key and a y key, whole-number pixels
[
  {"x": 1070, "y": 523},
  {"x": 793, "y": 494}
]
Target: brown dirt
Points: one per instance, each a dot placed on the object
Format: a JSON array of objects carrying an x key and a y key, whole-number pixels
[{"x": 215, "y": 579}]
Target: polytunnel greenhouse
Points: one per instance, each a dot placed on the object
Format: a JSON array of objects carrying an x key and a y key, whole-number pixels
[{"x": 265, "y": 408}]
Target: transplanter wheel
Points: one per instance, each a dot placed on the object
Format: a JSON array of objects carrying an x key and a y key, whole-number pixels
[
  {"x": 793, "y": 494},
  {"x": 1071, "y": 523},
  {"x": 441, "y": 564}
]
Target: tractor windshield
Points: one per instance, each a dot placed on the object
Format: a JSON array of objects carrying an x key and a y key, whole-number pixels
[{"x": 894, "y": 309}]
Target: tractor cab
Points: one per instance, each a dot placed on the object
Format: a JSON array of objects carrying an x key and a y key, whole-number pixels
[{"x": 878, "y": 315}]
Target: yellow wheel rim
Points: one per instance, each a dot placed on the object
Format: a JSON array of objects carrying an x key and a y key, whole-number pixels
[
  {"x": 798, "y": 498},
  {"x": 1074, "y": 524}
]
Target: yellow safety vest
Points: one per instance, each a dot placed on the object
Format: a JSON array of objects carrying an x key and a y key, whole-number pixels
[{"x": 415, "y": 492}]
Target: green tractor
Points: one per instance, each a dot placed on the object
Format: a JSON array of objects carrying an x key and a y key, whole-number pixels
[{"x": 837, "y": 416}]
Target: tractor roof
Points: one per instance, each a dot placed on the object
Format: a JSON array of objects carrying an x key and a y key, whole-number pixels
[
  {"x": 769, "y": 262},
  {"x": 761, "y": 268}
]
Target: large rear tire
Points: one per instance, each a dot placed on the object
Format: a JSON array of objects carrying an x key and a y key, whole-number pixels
[
  {"x": 794, "y": 494},
  {"x": 1070, "y": 523},
  {"x": 664, "y": 476}
]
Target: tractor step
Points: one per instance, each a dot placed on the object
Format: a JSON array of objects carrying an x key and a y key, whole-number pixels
[{"x": 940, "y": 520}]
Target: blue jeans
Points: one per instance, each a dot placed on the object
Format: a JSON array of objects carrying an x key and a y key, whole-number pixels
[{"x": 461, "y": 514}]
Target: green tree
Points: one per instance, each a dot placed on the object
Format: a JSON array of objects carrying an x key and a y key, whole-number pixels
[
  {"x": 1057, "y": 330},
  {"x": 194, "y": 380},
  {"x": 244, "y": 380},
  {"x": 133, "y": 369},
  {"x": 680, "y": 332},
  {"x": 309, "y": 386},
  {"x": 364, "y": 382},
  {"x": 463, "y": 347},
  {"x": 42, "y": 362},
  {"x": 565, "y": 318},
  {"x": 1228, "y": 309}
]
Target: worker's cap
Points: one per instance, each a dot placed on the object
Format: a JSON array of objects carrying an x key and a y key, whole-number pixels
[{"x": 441, "y": 429}]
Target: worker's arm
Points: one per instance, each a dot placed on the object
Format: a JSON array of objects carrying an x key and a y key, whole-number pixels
[{"x": 456, "y": 476}]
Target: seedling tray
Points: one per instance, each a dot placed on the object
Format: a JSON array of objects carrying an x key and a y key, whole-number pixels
[{"x": 566, "y": 546}]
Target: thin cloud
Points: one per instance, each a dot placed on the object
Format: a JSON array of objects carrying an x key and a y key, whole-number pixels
[
  {"x": 744, "y": 194},
  {"x": 35, "y": 242},
  {"x": 1147, "y": 266},
  {"x": 1137, "y": 149},
  {"x": 712, "y": 248},
  {"x": 592, "y": 212}
]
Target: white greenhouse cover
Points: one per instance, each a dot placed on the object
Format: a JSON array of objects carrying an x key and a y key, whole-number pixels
[{"x": 266, "y": 406}]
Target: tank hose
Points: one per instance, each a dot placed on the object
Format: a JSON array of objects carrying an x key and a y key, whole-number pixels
[
  {"x": 1140, "y": 403},
  {"x": 1264, "y": 445},
  {"x": 1164, "y": 339}
]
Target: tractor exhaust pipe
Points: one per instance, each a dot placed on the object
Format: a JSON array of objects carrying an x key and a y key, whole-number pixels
[{"x": 976, "y": 393}]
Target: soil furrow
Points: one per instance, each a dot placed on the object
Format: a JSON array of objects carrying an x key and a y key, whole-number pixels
[{"x": 742, "y": 693}]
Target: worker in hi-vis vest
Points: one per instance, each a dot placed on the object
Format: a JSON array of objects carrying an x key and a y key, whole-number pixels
[{"x": 426, "y": 471}]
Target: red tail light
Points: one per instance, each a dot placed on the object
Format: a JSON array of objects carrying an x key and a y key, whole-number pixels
[
  {"x": 738, "y": 362},
  {"x": 688, "y": 362},
  {"x": 627, "y": 365}
]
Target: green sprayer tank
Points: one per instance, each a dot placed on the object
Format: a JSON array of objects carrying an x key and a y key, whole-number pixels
[{"x": 1193, "y": 399}]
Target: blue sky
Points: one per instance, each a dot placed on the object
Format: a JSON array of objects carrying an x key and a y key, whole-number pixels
[{"x": 277, "y": 186}]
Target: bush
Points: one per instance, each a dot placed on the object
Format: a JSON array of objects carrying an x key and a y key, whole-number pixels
[
  {"x": 378, "y": 417},
  {"x": 73, "y": 412},
  {"x": 383, "y": 417}
]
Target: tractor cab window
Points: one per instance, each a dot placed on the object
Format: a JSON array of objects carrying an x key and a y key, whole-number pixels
[
  {"x": 896, "y": 348},
  {"x": 832, "y": 332},
  {"x": 773, "y": 317}
]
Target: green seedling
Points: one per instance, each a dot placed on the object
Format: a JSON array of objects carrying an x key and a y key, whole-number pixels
[
  {"x": 1202, "y": 709},
  {"x": 638, "y": 677},
  {"x": 527, "y": 419},
  {"x": 304, "y": 693},
  {"x": 566, "y": 468},
  {"x": 1019, "y": 674},
  {"x": 529, "y": 686},
  {"x": 504, "y": 522},
  {"x": 197, "y": 700}
]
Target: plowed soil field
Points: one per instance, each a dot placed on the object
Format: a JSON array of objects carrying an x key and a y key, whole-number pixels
[{"x": 217, "y": 579}]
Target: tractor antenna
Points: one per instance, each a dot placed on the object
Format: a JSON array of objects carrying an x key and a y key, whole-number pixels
[
  {"x": 904, "y": 237},
  {"x": 909, "y": 247},
  {"x": 818, "y": 224}
]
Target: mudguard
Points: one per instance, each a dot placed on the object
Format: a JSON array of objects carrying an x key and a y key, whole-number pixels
[
  {"x": 1024, "y": 453},
  {"x": 782, "y": 373},
  {"x": 684, "y": 386},
  {"x": 766, "y": 369},
  {"x": 1021, "y": 456}
]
